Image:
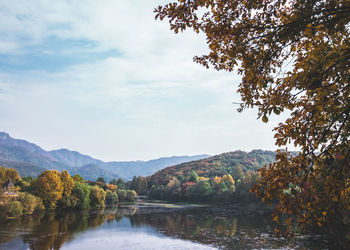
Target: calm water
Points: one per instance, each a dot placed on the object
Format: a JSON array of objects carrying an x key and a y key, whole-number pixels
[{"x": 154, "y": 227}]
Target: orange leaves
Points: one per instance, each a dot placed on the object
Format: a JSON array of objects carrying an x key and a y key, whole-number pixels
[
  {"x": 111, "y": 187},
  {"x": 311, "y": 39}
]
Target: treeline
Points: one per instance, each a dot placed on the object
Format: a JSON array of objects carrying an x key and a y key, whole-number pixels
[
  {"x": 54, "y": 190},
  {"x": 226, "y": 188},
  {"x": 219, "y": 165}
]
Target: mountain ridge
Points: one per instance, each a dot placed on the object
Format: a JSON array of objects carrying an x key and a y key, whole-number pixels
[{"x": 18, "y": 153}]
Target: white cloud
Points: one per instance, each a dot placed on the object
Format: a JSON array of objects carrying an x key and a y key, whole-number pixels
[{"x": 151, "y": 101}]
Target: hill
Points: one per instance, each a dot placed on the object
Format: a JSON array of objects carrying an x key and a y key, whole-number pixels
[{"x": 218, "y": 165}]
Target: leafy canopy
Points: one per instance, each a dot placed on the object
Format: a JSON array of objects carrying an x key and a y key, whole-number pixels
[{"x": 293, "y": 55}]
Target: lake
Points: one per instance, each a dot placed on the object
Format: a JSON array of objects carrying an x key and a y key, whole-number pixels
[{"x": 155, "y": 226}]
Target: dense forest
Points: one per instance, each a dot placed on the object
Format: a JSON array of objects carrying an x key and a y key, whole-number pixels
[
  {"x": 54, "y": 190},
  {"x": 218, "y": 165},
  {"x": 226, "y": 178}
]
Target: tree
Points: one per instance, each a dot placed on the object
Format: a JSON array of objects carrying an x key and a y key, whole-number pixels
[
  {"x": 133, "y": 184},
  {"x": 237, "y": 173},
  {"x": 293, "y": 55},
  {"x": 111, "y": 198},
  {"x": 67, "y": 182},
  {"x": 193, "y": 176},
  {"x": 7, "y": 174},
  {"x": 12, "y": 209},
  {"x": 78, "y": 178},
  {"x": 139, "y": 184},
  {"x": 30, "y": 203},
  {"x": 173, "y": 184},
  {"x": 114, "y": 182},
  {"x": 80, "y": 197},
  {"x": 229, "y": 181},
  {"x": 121, "y": 184},
  {"x": 97, "y": 197},
  {"x": 180, "y": 178},
  {"x": 50, "y": 187},
  {"x": 131, "y": 195},
  {"x": 101, "y": 179},
  {"x": 216, "y": 183}
]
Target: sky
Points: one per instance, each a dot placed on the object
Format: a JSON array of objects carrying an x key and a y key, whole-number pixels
[{"x": 106, "y": 79}]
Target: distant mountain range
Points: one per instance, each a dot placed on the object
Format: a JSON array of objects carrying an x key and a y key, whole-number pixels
[{"x": 30, "y": 160}]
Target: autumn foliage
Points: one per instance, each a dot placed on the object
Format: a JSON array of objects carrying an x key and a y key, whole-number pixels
[{"x": 293, "y": 55}]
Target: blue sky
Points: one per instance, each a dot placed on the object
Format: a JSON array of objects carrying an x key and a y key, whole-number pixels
[{"x": 104, "y": 78}]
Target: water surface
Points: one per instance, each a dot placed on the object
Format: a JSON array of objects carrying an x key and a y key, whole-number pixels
[{"x": 155, "y": 227}]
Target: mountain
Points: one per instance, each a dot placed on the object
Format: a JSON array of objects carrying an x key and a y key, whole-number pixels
[
  {"x": 21, "y": 151},
  {"x": 92, "y": 172},
  {"x": 73, "y": 158},
  {"x": 146, "y": 168},
  {"x": 217, "y": 165},
  {"x": 20, "y": 154},
  {"x": 24, "y": 169},
  {"x": 7, "y": 140}
]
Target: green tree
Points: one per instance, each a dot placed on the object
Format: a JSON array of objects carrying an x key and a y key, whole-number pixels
[
  {"x": 180, "y": 178},
  {"x": 101, "y": 179},
  {"x": 293, "y": 55},
  {"x": 111, "y": 198},
  {"x": 131, "y": 195},
  {"x": 237, "y": 173},
  {"x": 139, "y": 184},
  {"x": 199, "y": 192},
  {"x": 121, "y": 184},
  {"x": 193, "y": 176},
  {"x": 80, "y": 197},
  {"x": 203, "y": 188},
  {"x": 122, "y": 194},
  {"x": 114, "y": 182},
  {"x": 223, "y": 186}
]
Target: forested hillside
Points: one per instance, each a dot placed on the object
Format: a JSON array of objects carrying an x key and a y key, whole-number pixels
[{"x": 218, "y": 165}]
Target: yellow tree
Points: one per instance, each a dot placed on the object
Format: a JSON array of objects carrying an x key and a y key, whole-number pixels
[
  {"x": 293, "y": 55},
  {"x": 229, "y": 181},
  {"x": 67, "y": 182},
  {"x": 8, "y": 173},
  {"x": 228, "y": 178},
  {"x": 216, "y": 183},
  {"x": 50, "y": 187}
]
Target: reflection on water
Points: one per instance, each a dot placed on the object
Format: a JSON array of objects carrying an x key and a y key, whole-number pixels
[{"x": 152, "y": 228}]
